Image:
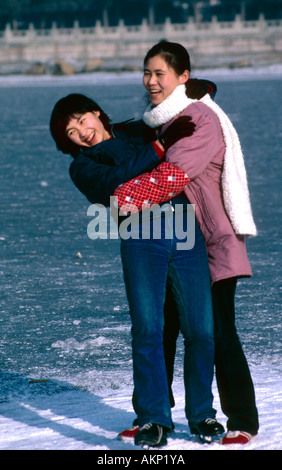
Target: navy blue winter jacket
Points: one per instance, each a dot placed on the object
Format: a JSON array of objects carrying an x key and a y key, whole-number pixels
[{"x": 98, "y": 170}]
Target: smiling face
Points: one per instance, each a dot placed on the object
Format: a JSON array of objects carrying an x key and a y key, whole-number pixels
[
  {"x": 86, "y": 130},
  {"x": 160, "y": 79}
]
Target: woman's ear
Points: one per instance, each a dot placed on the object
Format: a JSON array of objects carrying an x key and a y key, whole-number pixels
[{"x": 184, "y": 77}]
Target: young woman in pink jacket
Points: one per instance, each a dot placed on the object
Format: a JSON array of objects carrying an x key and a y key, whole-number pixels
[{"x": 212, "y": 161}]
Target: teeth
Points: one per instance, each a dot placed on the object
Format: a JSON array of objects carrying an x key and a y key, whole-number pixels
[{"x": 91, "y": 137}]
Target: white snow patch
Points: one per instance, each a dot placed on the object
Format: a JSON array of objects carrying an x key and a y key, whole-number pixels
[{"x": 79, "y": 419}]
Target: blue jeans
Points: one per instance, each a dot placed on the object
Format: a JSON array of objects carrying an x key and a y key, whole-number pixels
[{"x": 148, "y": 265}]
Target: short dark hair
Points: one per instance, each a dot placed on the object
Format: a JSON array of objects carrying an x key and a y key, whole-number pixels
[
  {"x": 65, "y": 109},
  {"x": 174, "y": 54}
]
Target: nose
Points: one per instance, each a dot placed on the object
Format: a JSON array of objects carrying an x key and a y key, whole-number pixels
[
  {"x": 82, "y": 132},
  {"x": 152, "y": 79}
]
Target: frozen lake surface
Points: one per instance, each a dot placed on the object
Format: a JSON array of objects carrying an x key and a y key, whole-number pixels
[{"x": 65, "y": 352}]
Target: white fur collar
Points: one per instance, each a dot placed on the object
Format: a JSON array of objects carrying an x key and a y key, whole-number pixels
[{"x": 176, "y": 102}]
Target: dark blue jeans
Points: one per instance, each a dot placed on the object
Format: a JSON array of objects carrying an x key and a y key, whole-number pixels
[{"x": 148, "y": 265}]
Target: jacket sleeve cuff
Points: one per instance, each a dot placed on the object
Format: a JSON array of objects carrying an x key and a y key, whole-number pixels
[{"x": 158, "y": 151}]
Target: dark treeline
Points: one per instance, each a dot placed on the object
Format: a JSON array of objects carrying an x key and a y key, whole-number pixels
[{"x": 42, "y": 13}]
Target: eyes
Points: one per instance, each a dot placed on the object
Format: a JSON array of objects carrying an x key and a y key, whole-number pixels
[
  {"x": 157, "y": 73},
  {"x": 79, "y": 120}
]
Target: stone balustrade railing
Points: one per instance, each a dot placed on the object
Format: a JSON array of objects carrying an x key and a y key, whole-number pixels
[{"x": 203, "y": 40}]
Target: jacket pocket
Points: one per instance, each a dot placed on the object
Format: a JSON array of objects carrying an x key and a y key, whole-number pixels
[{"x": 206, "y": 218}]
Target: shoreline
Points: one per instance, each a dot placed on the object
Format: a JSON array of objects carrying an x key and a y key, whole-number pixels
[
  {"x": 104, "y": 76},
  {"x": 70, "y": 67}
]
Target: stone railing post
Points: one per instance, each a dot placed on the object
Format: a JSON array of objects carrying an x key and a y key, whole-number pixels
[{"x": 8, "y": 34}]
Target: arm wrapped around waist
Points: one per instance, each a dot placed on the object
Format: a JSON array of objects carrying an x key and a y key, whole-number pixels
[{"x": 158, "y": 186}]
